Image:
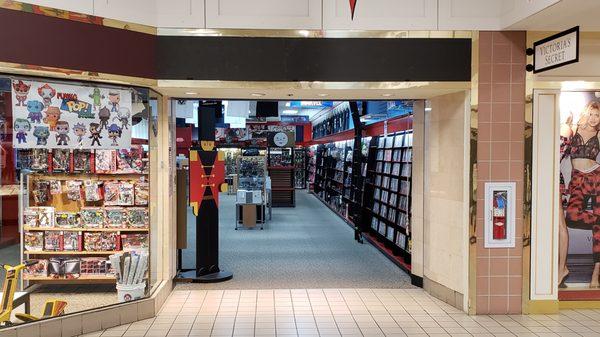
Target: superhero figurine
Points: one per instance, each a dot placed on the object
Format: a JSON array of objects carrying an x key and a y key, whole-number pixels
[{"x": 95, "y": 134}]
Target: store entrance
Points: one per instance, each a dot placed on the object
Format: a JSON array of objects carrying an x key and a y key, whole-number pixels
[{"x": 301, "y": 187}]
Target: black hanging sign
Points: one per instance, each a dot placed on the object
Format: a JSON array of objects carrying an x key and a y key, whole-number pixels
[{"x": 556, "y": 50}]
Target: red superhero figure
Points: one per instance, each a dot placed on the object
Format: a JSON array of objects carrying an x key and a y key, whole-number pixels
[{"x": 21, "y": 91}]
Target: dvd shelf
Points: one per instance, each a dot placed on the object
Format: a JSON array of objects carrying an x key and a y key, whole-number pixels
[
  {"x": 311, "y": 154},
  {"x": 300, "y": 167},
  {"x": 391, "y": 191},
  {"x": 81, "y": 206},
  {"x": 333, "y": 173}
]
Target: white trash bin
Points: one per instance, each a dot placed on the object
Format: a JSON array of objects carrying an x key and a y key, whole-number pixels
[{"x": 130, "y": 292}]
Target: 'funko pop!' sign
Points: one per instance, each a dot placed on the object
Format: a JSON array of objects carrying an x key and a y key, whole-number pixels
[{"x": 52, "y": 115}]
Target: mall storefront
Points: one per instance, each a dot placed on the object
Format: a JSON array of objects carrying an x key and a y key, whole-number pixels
[{"x": 136, "y": 204}]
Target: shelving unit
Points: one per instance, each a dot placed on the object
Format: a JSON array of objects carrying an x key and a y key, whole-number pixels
[
  {"x": 300, "y": 167},
  {"x": 282, "y": 173},
  {"x": 390, "y": 191},
  {"x": 333, "y": 171},
  {"x": 311, "y": 166},
  {"x": 54, "y": 209}
]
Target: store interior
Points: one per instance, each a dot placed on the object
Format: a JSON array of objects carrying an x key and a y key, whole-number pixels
[{"x": 289, "y": 167}]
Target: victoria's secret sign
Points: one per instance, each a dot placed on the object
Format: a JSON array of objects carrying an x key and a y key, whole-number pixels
[{"x": 556, "y": 50}]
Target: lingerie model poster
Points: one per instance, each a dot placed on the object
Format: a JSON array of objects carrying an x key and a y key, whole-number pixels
[{"x": 579, "y": 228}]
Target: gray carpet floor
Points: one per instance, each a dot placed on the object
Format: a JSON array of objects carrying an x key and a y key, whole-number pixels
[{"x": 307, "y": 246}]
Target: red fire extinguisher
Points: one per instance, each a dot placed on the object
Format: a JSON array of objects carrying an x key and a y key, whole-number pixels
[{"x": 499, "y": 215}]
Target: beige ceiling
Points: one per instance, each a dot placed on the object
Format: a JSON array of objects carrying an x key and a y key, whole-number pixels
[
  {"x": 308, "y": 90},
  {"x": 563, "y": 15}
]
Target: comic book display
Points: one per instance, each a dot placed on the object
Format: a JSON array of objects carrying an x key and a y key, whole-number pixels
[{"x": 55, "y": 115}]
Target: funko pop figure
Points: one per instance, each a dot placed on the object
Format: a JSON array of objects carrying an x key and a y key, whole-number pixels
[
  {"x": 113, "y": 100},
  {"x": 62, "y": 133},
  {"x": 21, "y": 127},
  {"x": 97, "y": 97},
  {"x": 104, "y": 115},
  {"x": 41, "y": 133},
  {"x": 95, "y": 134},
  {"x": 52, "y": 117},
  {"x": 21, "y": 91},
  {"x": 114, "y": 133},
  {"x": 35, "y": 111},
  {"x": 47, "y": 93},
  {"x": 123, "y": 116},
  {"x": 79, "y": 130}
]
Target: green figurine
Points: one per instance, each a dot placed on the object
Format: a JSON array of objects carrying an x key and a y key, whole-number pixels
[{"x": 97, "y": 97}]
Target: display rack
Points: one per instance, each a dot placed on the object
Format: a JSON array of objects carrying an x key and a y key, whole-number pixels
[
  {"x": 311, "y": 155},
  {"x": 79, "y": 207},
  {"x": 333, "y": 170},
  {"x": 281, "y": 171},
  {"x": 390, "y": 191},
  {"x": 300, "y": 167}
]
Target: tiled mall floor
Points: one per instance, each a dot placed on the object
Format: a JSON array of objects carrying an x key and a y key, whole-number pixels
[{"x": 340, "y": 312}]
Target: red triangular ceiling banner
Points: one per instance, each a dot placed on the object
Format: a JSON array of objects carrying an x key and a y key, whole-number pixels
[{"x": 352, "y": 7}]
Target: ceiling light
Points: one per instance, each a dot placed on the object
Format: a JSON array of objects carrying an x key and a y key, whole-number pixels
[
  {"x": 257, "y": 94},
  {"x": 290, "y": 112},
  {"x": 191, "y": 93},
  {"x": 427, "y": 109},
  {"x": 387, "y": 95},
  {"x": 323, "y": 95}
]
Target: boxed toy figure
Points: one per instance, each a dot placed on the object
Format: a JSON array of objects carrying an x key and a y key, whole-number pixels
[
  {"x": 41, "y": 191},
  {"x": 116, "y": 217},
  {"x": 82, "y": 161},
  {"x": 67, "y": 220},
  {"x": 142, "y": 193},
  {"x": 71, "y": 241},
  {"x": 74, "y": 190},
  {"x": 39, "y": 160},
  {"x": 93, "y": 192},
  {"x": 130, "y": 161},
  {"x": 61, "y": 160},
  {"x": 33, "y": 241},
  {"x": 52, "y": 241},
  {"x": 126, "y": 193},
  {"x": 137, "y": 217},
  {"x": 134, "y": 241},
  {"x": 55, "y": 187},
  {"x": 103, "y": 241},
  {"x": 94, "y": 266},
  {"x": 106, "y": 161},
  {"x": 39, "y": 269},
  {"x": 111, "y": 192},
  {"x": 40, "y": 216},
  {"x": 92, "y": 217}
]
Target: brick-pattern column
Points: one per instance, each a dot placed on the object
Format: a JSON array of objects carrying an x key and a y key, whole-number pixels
[{"x": 500, "y": 157}]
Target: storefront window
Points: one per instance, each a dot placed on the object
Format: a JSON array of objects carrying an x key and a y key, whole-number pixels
[
  {"x": 579, "y": 234},
  {"x": 78, "y": 206}
]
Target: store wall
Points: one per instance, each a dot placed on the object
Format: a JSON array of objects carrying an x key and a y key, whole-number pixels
[
  {"x": 445, "y": 198},
  {"x": 500, "y": 157},
  {"x": 310, "y": 14}
]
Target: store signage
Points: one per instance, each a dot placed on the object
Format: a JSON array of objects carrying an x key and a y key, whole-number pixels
[
  {"x": 294, "y": 119},
  {"x": 556, "y": 50},
  {"x": 55, "y": 115}
]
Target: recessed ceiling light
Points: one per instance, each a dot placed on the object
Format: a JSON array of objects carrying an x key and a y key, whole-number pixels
[
  {"x": 323, "y": 95},
  {"x": 257, "y": 94},
  {"x": 387, "y": 94},
  {"x": 191, "y": 93}
]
